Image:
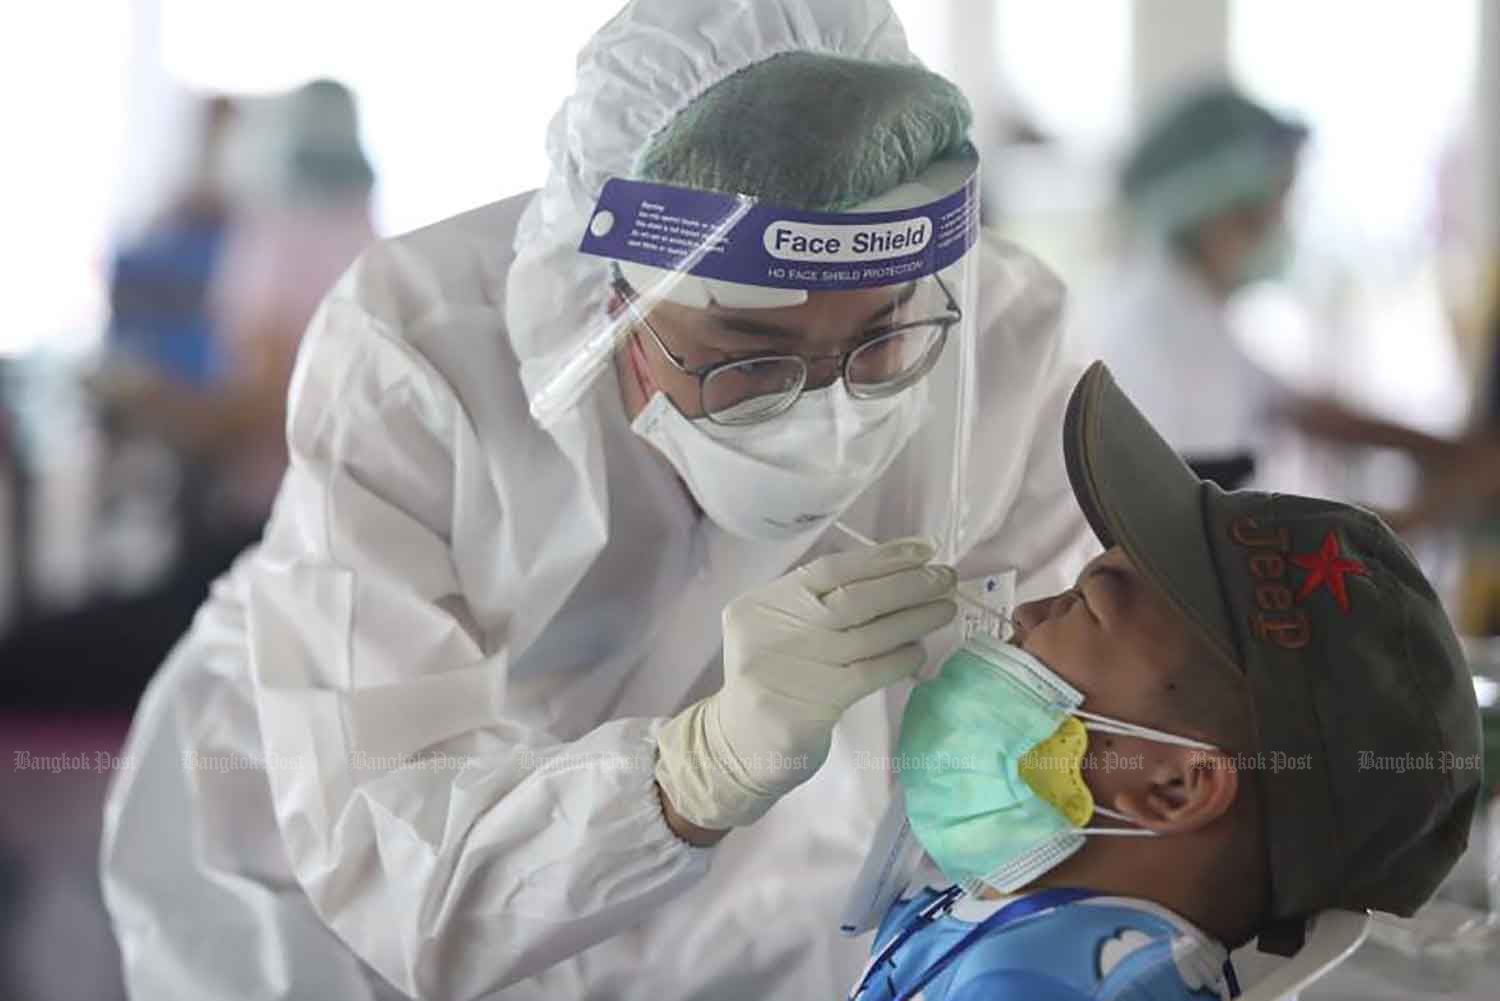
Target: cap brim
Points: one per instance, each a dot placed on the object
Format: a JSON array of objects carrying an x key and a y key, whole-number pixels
[{"x": 1138, "y": 494}]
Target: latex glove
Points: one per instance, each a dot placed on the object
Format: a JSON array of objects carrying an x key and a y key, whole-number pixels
[{"x": 797, "y": 653}]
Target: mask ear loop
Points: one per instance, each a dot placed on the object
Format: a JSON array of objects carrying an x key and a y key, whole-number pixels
[
  {"x": 1124, "y": 832},
  {"x": 1103, "y": 724}
]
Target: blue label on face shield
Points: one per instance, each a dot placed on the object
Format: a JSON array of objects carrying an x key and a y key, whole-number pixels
[{"x": 738, "y": 239}]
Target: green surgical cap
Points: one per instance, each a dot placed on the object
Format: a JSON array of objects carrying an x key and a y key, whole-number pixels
[
  {"x": 1208, "y": 152},
  {"x": 811, "y": 131}
]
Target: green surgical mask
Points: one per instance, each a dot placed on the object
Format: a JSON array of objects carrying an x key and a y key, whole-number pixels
[
  {"x": 1270, "y": 259},
  {"x": 991, "y": 755}
]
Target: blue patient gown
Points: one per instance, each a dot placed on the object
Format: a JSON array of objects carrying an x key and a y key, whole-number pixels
[{"x": 1095, "y": 948}]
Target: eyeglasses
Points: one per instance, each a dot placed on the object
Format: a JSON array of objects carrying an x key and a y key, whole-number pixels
[{"x": 754, "y": 388}]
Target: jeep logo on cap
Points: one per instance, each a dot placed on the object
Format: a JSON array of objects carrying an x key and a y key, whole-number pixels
[{"x": 1276, "y": 619}]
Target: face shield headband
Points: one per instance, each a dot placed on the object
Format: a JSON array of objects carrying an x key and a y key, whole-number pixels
[{"x": 701, "y": 249}]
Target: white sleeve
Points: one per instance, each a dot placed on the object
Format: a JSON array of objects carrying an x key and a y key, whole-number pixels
[
  {"x": 499, "y": 850},
  {"x": 1030, "y": 521}
]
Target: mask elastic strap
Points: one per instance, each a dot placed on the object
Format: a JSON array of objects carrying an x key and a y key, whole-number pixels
[
  {"x": 1126, "y": 832},
  {"x": 1103, "y": 724}
]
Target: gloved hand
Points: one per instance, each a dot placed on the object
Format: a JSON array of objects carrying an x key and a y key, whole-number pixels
[{"x": 797, "y": 653}]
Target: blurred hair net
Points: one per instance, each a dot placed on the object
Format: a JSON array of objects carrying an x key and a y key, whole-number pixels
[
  {"x": 303, "y": 145},
  {"x": 1210, "y": 151}
]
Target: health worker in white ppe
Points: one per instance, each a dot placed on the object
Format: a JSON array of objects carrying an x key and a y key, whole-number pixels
[
  {"x": 1205, "y": 190},
  {"x": 551, "y": 677}
]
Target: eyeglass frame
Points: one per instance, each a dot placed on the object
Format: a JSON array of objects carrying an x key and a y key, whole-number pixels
[{"x": 702, "y": 373}]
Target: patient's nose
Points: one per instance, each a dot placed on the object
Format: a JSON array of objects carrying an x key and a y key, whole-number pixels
[{"x": 1033, "y": 613}]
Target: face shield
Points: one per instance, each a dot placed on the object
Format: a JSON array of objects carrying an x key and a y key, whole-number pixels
[{"x": 790, "y": 358}]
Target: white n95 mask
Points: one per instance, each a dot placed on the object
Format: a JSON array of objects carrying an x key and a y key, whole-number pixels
[{"x": 792, "y": 474}]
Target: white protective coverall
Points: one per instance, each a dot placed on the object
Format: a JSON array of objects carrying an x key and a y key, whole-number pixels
[
  {"x": 1168, "y": 342},
  {"x": 523, "y": 606}
]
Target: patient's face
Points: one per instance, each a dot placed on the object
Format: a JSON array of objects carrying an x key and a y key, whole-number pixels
[{"x": 1114, "y": 638}]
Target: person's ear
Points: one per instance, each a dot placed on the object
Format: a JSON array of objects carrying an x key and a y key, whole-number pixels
[{"x": 1181, "y": 790}]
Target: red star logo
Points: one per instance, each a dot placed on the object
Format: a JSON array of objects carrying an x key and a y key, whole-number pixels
[{"x": 1328, "y": 567}]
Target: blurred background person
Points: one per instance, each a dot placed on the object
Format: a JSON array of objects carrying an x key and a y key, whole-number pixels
[
  {"x": 1478, "y": 475},
  {"x": 159, "y": 287},
  {"x": 162, "y": 323},
  {"x": 1205, "y": 188},
  {"x": 1458, "y": 491},
  {"x": 206, "y": 313},
  {"x": 300, "y": 213},
  {"x": 307, "y": 184},
  {"x": 302, "y": 183}
]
